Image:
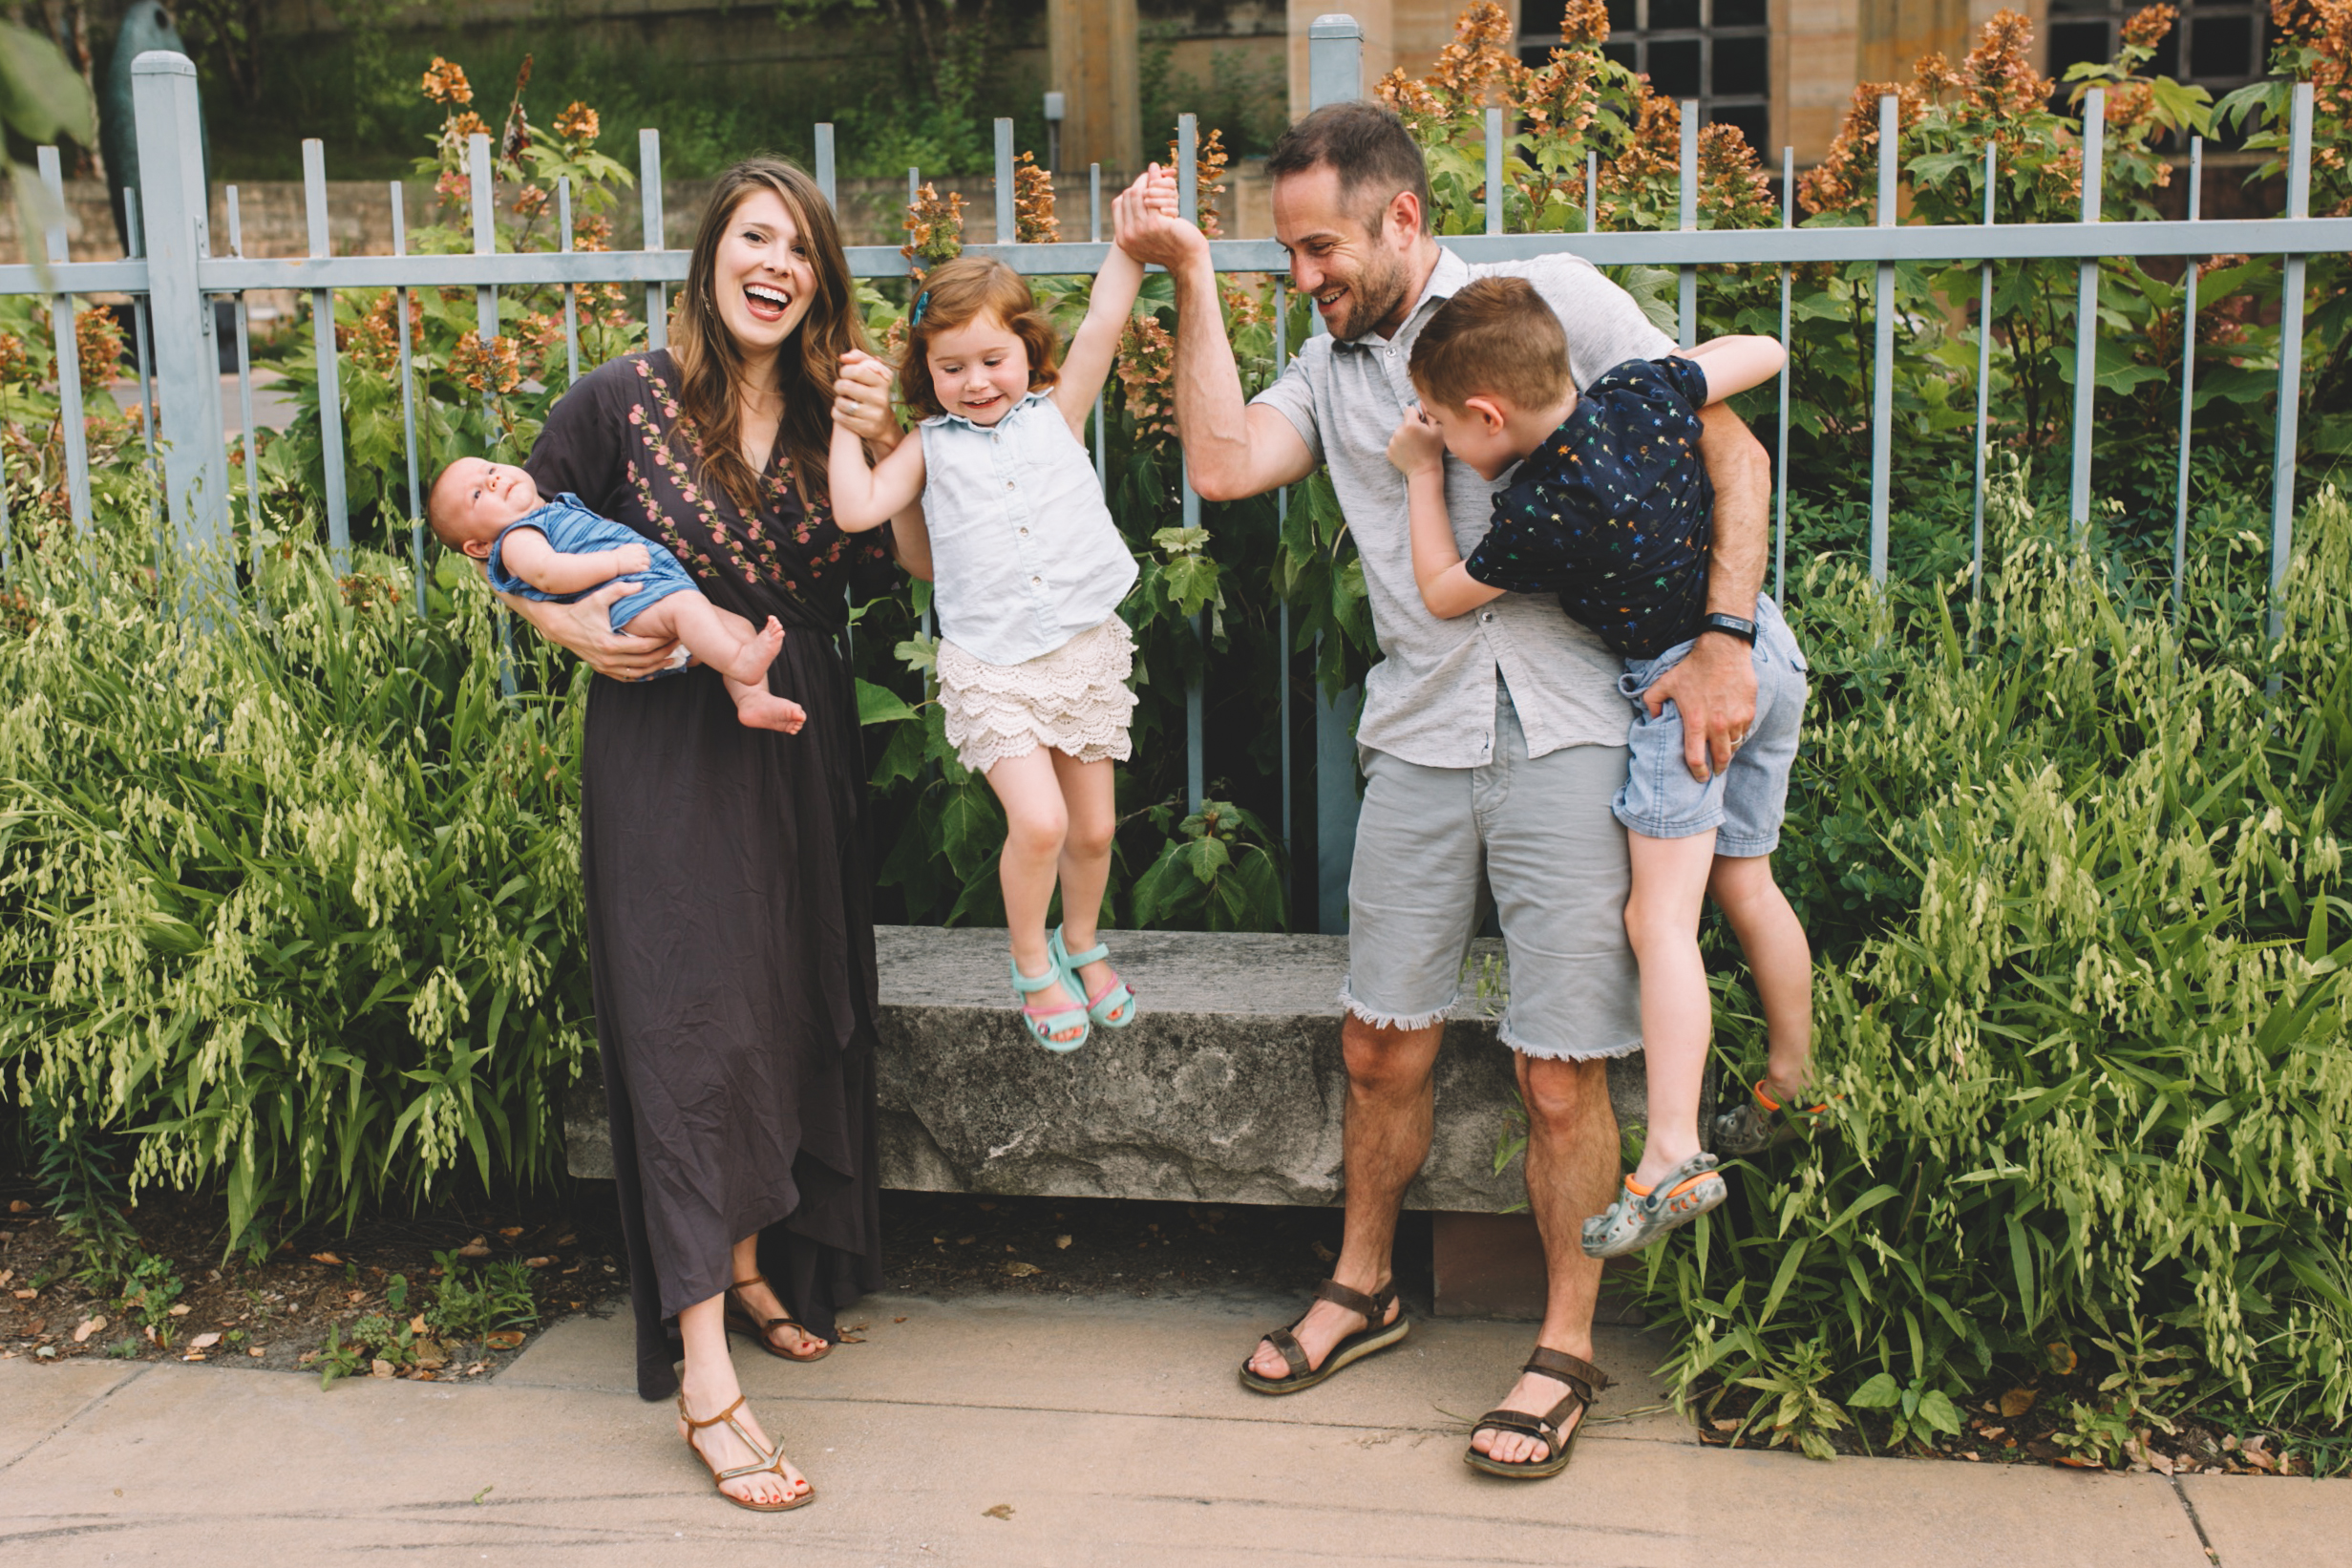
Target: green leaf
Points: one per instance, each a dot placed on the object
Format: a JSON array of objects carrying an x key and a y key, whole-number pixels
[
  {"x": 42, "y": 98},
  {"x": 1880, "y": 1392},
  {"x": 878, "y": 705},
  {"x": 1937, "y": 1411}
]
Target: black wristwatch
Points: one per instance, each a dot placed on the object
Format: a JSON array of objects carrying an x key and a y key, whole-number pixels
[{"x": 1732, "y": 625}]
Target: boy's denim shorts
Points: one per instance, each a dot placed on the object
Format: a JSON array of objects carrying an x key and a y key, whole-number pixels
[
  {"x": 1535, "y": 838},
  {"x": 1745, "y": 802}
]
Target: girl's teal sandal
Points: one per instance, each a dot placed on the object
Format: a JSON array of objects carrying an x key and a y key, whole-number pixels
[
  {"x": 1115, "y": 1006},
  {"x": 1043, "y": 1024}
]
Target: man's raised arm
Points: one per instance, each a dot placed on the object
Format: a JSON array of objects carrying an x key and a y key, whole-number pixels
[
  {"x": 1231, "y": 449},
  {"x": 1715, "y": 688}
]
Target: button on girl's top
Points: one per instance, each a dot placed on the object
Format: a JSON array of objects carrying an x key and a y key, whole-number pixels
[{"x": 1023, "y": 550}]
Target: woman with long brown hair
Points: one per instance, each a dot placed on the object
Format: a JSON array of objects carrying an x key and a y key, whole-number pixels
[{"x": 726, "y": 874}]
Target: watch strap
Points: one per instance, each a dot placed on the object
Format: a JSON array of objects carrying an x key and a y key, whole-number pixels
[{"x": 1730, "y": 624}]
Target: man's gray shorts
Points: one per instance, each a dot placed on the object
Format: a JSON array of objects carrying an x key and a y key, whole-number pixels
[{"x": 1433, "y": 842}]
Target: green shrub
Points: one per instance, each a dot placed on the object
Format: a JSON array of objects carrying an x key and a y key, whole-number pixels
[
  {"x": 470, "y": 1303},
  {"x": 290, "y": 900},
  {"x": 2087, "y": 1045}
]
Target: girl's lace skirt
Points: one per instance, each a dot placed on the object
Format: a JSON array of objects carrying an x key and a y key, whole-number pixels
[{"x": 1074, "y": 699}]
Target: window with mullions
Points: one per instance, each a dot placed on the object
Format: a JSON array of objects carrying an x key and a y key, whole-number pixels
[
  {"x": 2217, "y": 44},
  {"x": 1718, "y": 52}
]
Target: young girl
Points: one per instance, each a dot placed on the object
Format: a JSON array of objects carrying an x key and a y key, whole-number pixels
[{"x": 1029, "y": 570}]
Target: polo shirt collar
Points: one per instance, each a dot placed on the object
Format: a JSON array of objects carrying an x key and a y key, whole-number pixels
[{"x": 1446, "y": 279}]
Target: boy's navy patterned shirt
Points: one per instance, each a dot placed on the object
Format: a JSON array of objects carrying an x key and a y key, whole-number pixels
[{"x": 1614, "y": 512}]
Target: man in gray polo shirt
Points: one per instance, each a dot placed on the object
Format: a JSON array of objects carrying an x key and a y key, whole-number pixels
[{"x": 1492, "y": 743}]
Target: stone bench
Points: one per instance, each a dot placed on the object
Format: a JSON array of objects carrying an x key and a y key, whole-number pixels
[{"x": 1227, "y": 1089}]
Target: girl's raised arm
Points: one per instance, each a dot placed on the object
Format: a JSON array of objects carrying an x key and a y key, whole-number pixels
[
  {"x": 1088, "y": 364},
  {"x": 1734, "y": 364},
  {"x": 866, "y": 498}
]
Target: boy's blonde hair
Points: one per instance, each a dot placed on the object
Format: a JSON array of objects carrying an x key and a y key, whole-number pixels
[
  {"x": 962, "y": 291},
  {"x": 1495, "y": 336}
]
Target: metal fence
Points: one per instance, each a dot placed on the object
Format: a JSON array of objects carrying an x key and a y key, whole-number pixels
[{"x": 173, "y": 275}]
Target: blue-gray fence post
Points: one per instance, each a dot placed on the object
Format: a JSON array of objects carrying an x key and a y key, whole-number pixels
[
  {"x": 323, "y": 338},
  {"x": 1687, "y": 278},
  {"x": 484, "y": 188},
  {"x": 1007, "y": 227},
  {"x": 2188, "y": 380},
  {"x": 1984, "y": 390},
  {"x": 175, "y": 204},
  {"x": 2290, "y": 364},
  {"x": 244, "y": 404},
  {"x": 826, "y": 184},
  {"x": 1195, "y": 717},
  {"x": 1281, "y": 607},
  {"x": 1493, "y": 171},
  {"x": 1788, "y": 368},
  {"x": 1334, "y": 60},
  {"x": 1334, "y": 74},
  {"x": 1882, "y": 362},
  {"x": 408, "y": 401},
  {"x": 136, "y": 244},
  {"x": 571, "y": 290},
  {"x": 68, "y": 343},
  {"x": 649, "y": 187},
  {"x": 1095, "y": 236},
  {"x": 2086, "y": 310}
]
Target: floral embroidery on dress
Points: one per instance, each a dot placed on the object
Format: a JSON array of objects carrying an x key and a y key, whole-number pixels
[{"x": 719, "y": 539}]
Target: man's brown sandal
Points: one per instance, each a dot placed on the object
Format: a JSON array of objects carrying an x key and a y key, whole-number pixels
[
  {"x": 739, "y": 1317},
  {"x": 1584, "y": 1381},
  {"x": 771, "y": 1464},
  {"x": 1376, "y": 1336}
]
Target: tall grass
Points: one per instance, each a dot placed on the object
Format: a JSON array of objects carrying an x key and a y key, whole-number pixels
[
  {"x": 290, "y": 899},
  {"x": 2082, "y": 1012}
]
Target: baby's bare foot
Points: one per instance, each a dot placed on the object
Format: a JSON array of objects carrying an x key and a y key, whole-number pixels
[{"x": 764, "y": 709}]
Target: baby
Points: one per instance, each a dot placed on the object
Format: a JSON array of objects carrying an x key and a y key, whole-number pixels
[
  {"x": 1609, "y": 507},
  {"x": 559, "y": 550}
]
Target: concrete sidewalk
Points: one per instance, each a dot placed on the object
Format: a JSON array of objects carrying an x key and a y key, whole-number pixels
[{"x": 1033, "y": 1431}]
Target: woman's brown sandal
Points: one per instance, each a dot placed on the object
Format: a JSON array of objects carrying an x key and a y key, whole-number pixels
[
  {"x": 739, "y": 1317},
  {"x": 1376, "y": 1335},
  {"x": 773, "y": 1463},
  {"x": 1584, "y": 1381}
]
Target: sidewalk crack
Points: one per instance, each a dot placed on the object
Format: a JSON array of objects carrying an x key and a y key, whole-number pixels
[
  {"x": 2191, "y": 1509},
  {"x": 87, "y": 1405}
]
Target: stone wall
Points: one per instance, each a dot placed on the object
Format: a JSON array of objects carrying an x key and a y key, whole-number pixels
[{"x": 1228, "y": 1088}]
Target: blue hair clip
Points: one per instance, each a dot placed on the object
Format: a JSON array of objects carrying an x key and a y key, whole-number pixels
[{"x": 923, "y": 301}]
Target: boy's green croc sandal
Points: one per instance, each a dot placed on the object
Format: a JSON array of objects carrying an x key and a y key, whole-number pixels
[
  {"x": 1642, "y": 1216},
  {"x": 1045, "y": 1023},
  {"x": 1758, "y": 1123},
  {"x": 1113, "y": 1007}
]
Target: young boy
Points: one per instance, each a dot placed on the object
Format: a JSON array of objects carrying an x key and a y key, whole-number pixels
[
  {"x": 559, "y": 550},
  {"x": 1610, "y": 509}
]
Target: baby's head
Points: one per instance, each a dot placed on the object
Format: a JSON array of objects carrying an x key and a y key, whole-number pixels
[
  {"x": 976, "y": 343},
  {"x": 473, "y": 499},
  {"x": 1491, "y": 368}
]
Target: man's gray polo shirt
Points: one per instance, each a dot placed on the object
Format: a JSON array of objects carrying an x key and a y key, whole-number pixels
[{"x": 1431, "y": 698}]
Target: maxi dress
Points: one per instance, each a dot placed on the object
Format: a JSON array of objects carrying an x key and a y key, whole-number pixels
[{"x": 728, "y": 895}]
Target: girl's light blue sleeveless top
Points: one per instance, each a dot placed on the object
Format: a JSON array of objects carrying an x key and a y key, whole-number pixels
[{"x": 1023, "y": 551}]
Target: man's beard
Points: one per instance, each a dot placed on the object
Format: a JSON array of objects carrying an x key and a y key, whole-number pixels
[{"x": 1374, "y": 294}]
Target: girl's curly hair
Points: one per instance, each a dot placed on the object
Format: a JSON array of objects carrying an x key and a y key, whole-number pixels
[{"x": 959, "y": 293}]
